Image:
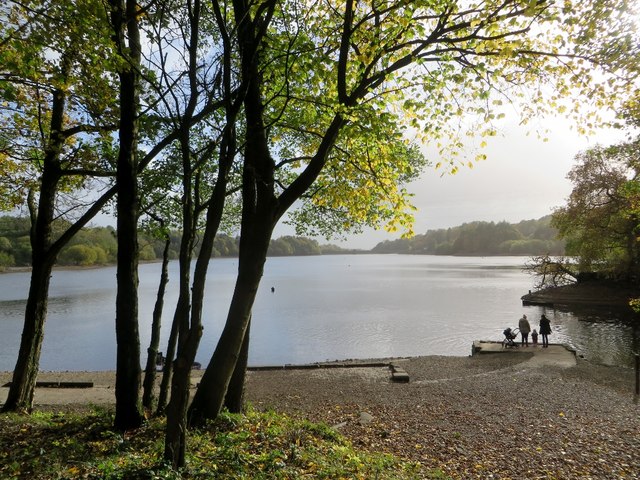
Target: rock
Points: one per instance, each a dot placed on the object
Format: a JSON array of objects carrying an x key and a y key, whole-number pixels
[
  {"x": 365, "y": 418},
  {"x": 339, "y": 426}
]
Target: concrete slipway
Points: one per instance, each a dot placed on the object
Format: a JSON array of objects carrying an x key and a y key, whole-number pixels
[{"x": 555, "y": 354}]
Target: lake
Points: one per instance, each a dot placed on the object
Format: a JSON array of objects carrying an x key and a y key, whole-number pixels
[{"x": 321, "y": 308}]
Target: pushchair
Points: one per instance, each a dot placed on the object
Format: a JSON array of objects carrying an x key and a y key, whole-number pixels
[{"x": 510, "y": 334}]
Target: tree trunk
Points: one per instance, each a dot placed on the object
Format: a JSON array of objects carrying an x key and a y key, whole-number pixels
[
  {"x": 127, "y": 392},
  {"x": 234, "y": 400},
  {"x": 167, "y": 370},
  {"x": 189, "y": 340},
  {"x": 210, "y": 395},
  {"x": 259, "y": 207},
  {"x": 180, "y": 371},
  {"x": 175, "y": 442},
  {"x": 180, "y": 322},
  {"x": 152, "y": 352},
  {"x": 20, "y": 396}
]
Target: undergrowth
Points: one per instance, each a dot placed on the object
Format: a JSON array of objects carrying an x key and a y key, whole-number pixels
[{"x": 253, "y": 445}]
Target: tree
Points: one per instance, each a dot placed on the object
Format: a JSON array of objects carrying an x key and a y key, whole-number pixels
[
  {"x": 156, "y": 323},
  {"x": 551, "y": 272},
  {"x": 124, "y": 21},
  {"x": 57, "y": 127},
  {"x": 158, "y": 132},
  {"x": 209, "y": 99},
  {"x": 599, "y": 220},
  {"x": 326, "y": 80},
  {"x": 529, "y": 237}
]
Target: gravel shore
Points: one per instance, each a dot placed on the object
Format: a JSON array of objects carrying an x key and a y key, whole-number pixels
[
  {"x": 486, "y": 416},
  {"x": 500, "y": 416}
]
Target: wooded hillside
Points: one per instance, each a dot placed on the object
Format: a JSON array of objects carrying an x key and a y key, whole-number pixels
[
  {"x": 98, "y": 246},
  {"x": 528, "y": 237}
]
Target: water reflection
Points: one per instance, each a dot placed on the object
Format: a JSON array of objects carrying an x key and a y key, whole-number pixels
[
  {"x": 322, "y": 308},
  {"x": 609, "y": 337}
]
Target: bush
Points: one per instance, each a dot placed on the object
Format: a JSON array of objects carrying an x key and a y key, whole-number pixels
[
  {"x": 80, "y": 255},
  {"x": 6, "y": 260},
  {"x": 147, "y": 253}
]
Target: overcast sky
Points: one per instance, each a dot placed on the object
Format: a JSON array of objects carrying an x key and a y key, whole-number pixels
[{"x": 523, "y": 178}]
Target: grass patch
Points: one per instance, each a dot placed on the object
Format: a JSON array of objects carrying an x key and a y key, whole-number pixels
[{"x": 249, "y": 446}]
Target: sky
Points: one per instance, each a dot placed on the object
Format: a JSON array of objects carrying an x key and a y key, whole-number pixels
[{"x": 523, "y": 178}]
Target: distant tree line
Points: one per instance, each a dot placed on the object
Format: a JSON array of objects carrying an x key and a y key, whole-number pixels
[
  {"x": 94, "y": 246},
  {"x": 528, "y": 237}
]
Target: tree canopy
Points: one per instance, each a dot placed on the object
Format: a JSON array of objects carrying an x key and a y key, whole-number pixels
[
  {"x": 49, "y": 47},
  {"x": 600, "y": 220},
  {"x": 433, "y": 72}
]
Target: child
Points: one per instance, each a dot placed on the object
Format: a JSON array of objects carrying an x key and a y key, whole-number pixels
[{"x": 534, "y": 337}]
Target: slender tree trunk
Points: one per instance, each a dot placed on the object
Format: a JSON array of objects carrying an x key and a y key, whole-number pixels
[
  {"x": 259, "y": 207},
  {"x": 189, "y": 336},
  {"x": 175, "y": 442},
  {"x": 189, "y": 340},
  {"x": 234, "y": 400},
  {"x": 128, "y": 414},
  {"x": 180, "y": 322},
  {"x": 152, "y": 352},
  {"x": 167, "y": 370},
  {"x": 175, "y": 434}
]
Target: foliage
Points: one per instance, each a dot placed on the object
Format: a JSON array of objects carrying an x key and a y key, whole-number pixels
[
  {"x": 255, "y": 445},
  {"x": 601, "y": 218},
  {"x": 97, "y": 245},
  {"x": 48, "y": 48},
  {"x": 432, "y": 73},
  {"x": 529, "y": 237}
]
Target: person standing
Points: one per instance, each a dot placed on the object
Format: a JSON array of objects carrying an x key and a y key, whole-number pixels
[
  {"x": 545, "y": 330},
  {"x": 525, "y": 328},
  {"x": 534, "y": 337}
]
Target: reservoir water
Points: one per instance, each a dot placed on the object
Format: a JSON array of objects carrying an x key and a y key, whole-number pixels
[{"x": 318, "y": 308}]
